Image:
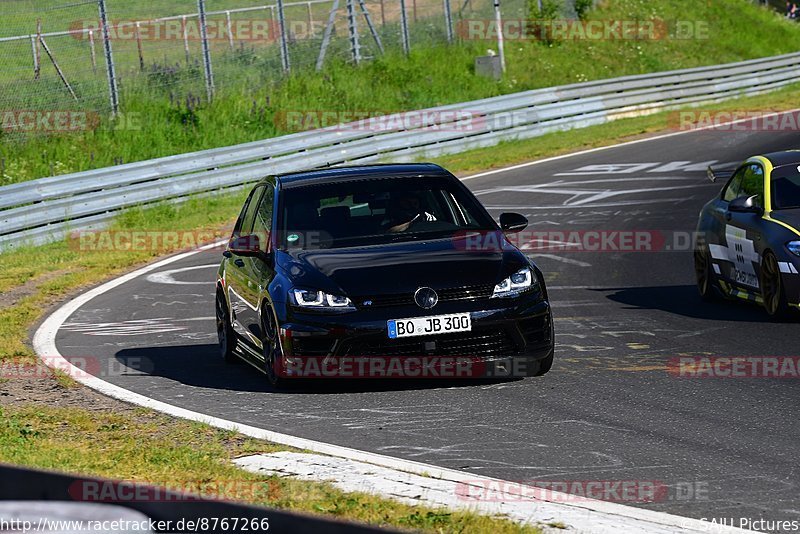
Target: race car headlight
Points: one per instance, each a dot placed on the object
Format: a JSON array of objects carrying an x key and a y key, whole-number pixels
[
  {"x": 794, "y": 247},
  {"x": 515, "y": 284},
  {"x": 305, "y": 298}
]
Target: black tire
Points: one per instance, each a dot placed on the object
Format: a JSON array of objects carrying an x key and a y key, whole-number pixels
[
  {"x": 540, "y": 367},
  {"x": 225, "y": 335},
  {"x": 772, "y": 290},
  {"x": 703, "y": 274},
  {"x": 271, "y": 346}
]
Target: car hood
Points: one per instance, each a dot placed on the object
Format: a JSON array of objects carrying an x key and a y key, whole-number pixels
[{"x": 403, "y": 267}]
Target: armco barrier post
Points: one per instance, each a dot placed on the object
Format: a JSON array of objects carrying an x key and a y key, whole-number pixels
[
  {"x": 201, "y": 9},
  {"x": 110, "y": 70}
]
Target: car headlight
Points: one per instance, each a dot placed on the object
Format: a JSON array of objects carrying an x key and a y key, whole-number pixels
[
  {"x": 515, "y": 284},
  {"x": 319, "y": 299},
  {"x": 794, "y": 247}
]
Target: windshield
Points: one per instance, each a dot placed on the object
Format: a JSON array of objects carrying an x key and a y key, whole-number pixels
[
  {"x": 786, "y": 187},
  {"x": 377, "y": 211}
]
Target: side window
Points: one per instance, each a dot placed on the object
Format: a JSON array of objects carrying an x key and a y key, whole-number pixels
[
  {"x": 753, "y": 184},
  {"x": 244, "y": 225},
  {"x": 263, "y": 218},
  {"x": 734, "y": 185}
]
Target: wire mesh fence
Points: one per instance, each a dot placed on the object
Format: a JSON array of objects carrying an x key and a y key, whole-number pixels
[{"x": 69, "y": 64}]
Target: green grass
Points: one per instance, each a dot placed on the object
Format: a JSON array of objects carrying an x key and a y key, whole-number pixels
[
  {"x": 146, "y": 447},
  {"x": 171, "y": 117}
]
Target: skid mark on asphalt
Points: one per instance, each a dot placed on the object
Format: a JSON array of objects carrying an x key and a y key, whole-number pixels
[{"x": 135, "y": 327}]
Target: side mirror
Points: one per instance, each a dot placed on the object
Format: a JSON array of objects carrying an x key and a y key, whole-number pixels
[
  {"x": 513, "y": 222},
  {"x": 745, "y": 205},
  {"x": 247, "y": 246}
]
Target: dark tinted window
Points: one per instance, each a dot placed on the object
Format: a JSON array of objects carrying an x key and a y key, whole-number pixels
[
  {"x": 786, "y": 187},
  {"x": 263, "y": 218},
  {"x": 244, "y": 225},
  {"x": 380, "y": 210}
]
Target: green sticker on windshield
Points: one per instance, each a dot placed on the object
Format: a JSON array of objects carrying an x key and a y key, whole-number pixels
[{"x": 291, "y": 238}]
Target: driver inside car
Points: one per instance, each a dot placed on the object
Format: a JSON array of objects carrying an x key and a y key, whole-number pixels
[{"x": 404, "y": 210}]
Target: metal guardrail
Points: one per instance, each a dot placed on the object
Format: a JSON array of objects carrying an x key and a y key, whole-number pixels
[{"x": 36, "y": 211}]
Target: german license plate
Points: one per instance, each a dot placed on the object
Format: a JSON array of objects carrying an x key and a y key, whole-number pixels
[{"x": 425, "y": 326}]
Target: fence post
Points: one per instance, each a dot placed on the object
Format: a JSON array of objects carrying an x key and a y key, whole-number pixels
[
  {"x": 230, "y": 29},
  {"x": 110, "y": 70},
  {"x": 37, "y": 54},
  {"x": 201, "y": 8},
  {"x": 326, "y": 37},
  {"x": 371, "y": 26},
  {"x": 35, "y": 57},
  {"x": 139, "y": 47},
  {"x": 404, "y": 27},
  {"x": 185, "y": 30},
  {"x": 499, "y": 19},
  {"x": 448, "y": 19},
  {"x": 284, "y": 45},
  {"x": 355, "y": 46},
  {"x": 92, "y": 51}
]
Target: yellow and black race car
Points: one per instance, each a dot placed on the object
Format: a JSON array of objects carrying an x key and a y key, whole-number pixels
[{"x": 748, "y": 237}]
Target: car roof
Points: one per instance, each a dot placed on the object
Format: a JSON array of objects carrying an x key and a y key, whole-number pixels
[
  {"x": 345, "y": 174},
  {"x": 784, "y": 157}
]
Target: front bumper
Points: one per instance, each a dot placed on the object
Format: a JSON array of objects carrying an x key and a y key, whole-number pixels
[{"x": 505, "y": 336}]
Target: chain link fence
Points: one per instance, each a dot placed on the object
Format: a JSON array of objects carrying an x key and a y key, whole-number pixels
[{"x": 65, "y": 64}]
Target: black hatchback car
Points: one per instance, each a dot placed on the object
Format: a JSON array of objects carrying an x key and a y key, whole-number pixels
[{"x": 392, "y": 271}]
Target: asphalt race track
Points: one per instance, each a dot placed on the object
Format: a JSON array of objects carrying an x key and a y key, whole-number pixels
[{"x": 608, "y": 411}]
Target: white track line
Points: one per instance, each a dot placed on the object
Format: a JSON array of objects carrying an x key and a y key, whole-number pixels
[{"x": 628, "y": 518}]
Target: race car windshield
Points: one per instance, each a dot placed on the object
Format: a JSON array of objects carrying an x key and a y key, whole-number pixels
[
  {"x": 377, "y": 211},
  {"x": 786, "y": 188}
]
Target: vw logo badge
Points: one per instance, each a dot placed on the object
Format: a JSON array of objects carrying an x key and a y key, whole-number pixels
[{"x": 426, "y": 298}]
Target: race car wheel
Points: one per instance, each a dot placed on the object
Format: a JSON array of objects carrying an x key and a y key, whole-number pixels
[
  {"x": 225, "y": 333},
  {"x": 702, "y": 269},
  {"x": 272, "y": 346},
  {"x": 772, "y": 291}
]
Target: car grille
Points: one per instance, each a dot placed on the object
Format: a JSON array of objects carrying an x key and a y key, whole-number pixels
[
  {"x": 476, "y": 292},
  {"x": 485, "y": 343}
]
